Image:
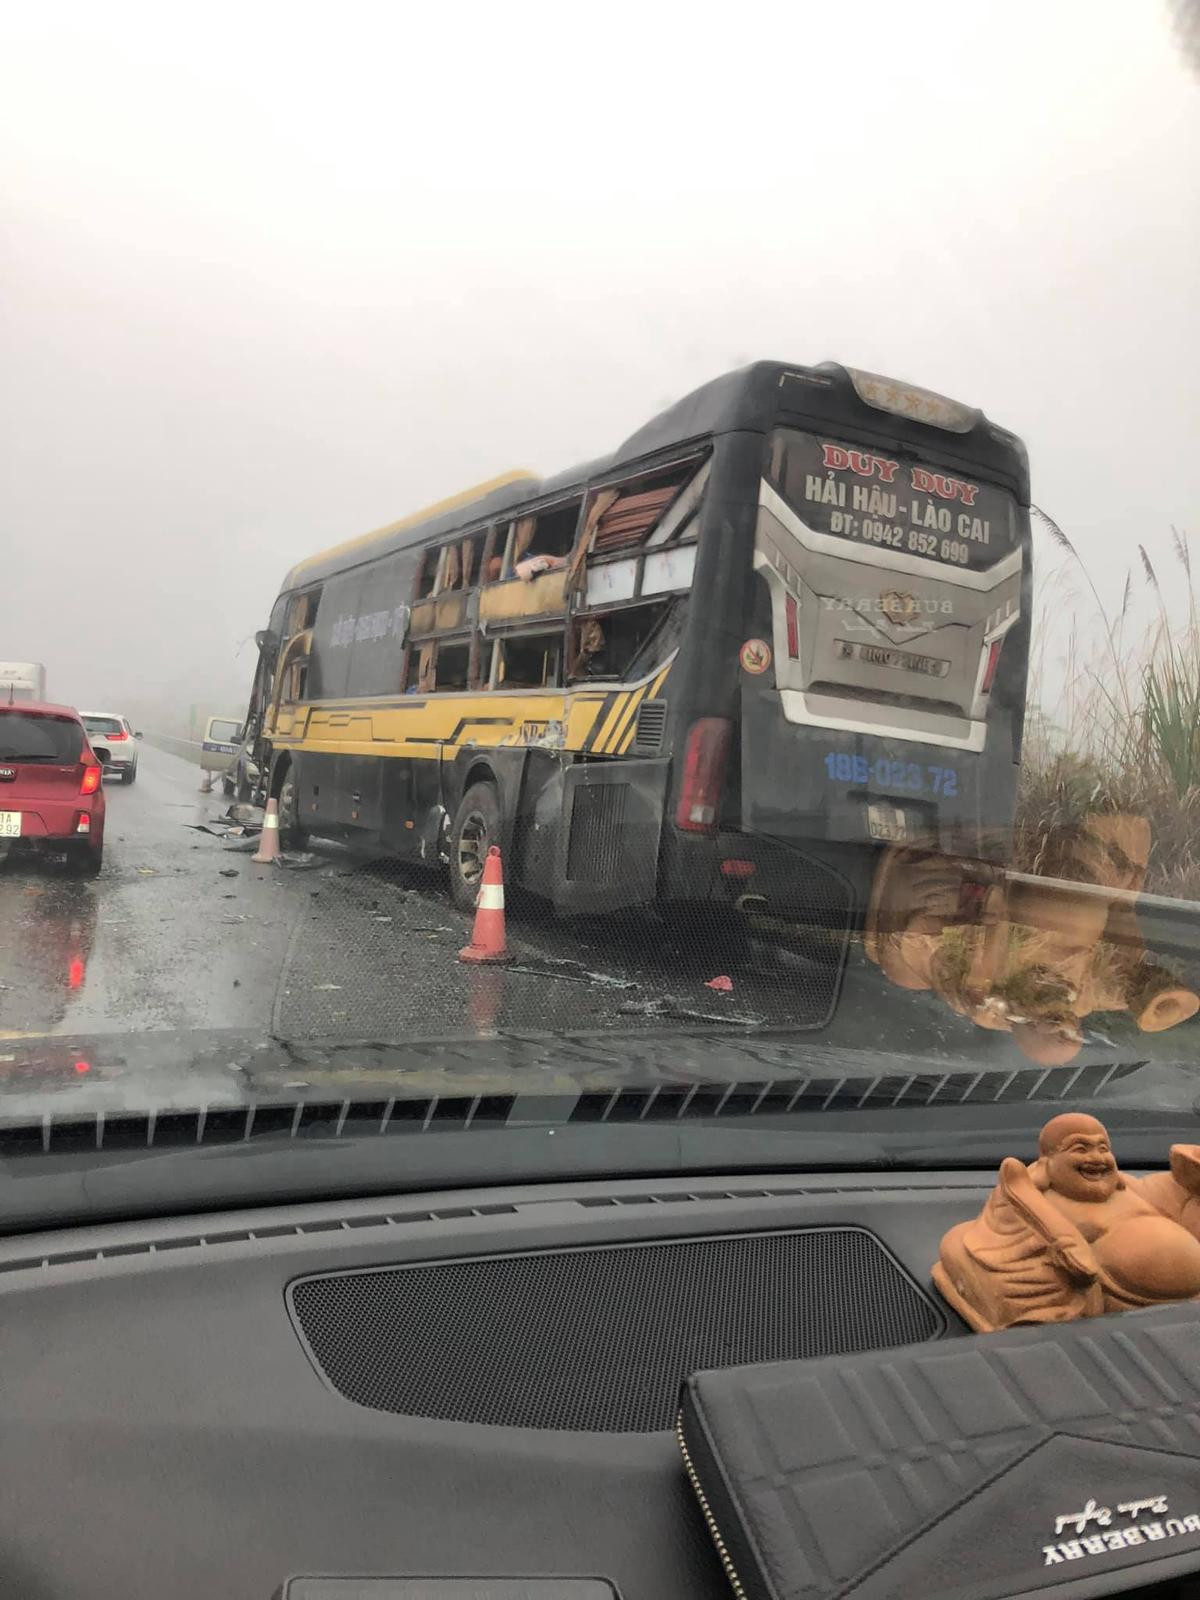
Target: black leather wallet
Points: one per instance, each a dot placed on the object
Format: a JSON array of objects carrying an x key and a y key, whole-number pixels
[{"x": 1059, "y": 1460}]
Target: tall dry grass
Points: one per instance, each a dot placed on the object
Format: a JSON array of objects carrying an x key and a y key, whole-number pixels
[{"x": 1125, "y": 732}]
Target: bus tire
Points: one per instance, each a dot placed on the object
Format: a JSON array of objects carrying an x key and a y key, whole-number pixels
[
  {"x": 475, "y": 829},
  {"x": 291, "y": 834}
]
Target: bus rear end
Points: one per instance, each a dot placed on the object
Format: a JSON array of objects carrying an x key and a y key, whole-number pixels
[
  {"x": 891, "y": 552},
  {"x": 882, "y": 652}
]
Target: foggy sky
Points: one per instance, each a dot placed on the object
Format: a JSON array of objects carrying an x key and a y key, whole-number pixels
[{"x": 271, "y": 276}]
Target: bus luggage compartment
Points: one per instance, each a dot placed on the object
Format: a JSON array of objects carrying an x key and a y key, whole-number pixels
[{"x": 608, "y": 844}]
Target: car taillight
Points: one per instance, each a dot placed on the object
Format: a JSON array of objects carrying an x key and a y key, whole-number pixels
[
  {"x": 993, "y": 661},
  {"x": 91, "y": 779},
  {"x": 114, "y": 737},
  {"x": 703, "y": 774}
]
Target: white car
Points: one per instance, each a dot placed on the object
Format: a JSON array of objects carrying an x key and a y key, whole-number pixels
[{"x": 108, "y": 730}]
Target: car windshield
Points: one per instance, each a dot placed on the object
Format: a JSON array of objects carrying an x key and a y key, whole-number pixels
[
  {"x": 624, "y": 604},
  {"x": 34, "y": 736}
]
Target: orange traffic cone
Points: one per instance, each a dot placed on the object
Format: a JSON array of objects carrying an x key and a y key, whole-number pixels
[
  {"x": 268, "y": 845},
  {"x": 487, "y": 939},
  {"x": 206, "y": 783}
]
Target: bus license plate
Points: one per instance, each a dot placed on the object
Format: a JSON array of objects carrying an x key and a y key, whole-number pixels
[
  {"x": 876, "y": 656},
  {"x": 10, "y": 824},
  {"x": 886, "y": 822}
]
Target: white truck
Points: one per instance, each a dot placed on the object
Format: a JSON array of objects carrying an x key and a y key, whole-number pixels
[{"x": 22, "y": 680}]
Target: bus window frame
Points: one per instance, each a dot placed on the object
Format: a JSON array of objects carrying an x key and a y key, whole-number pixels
[
  {"x": 555, "y": 639},
  {"x": 693, "y": 482},
  {"x": 506, "y": 561},
  {"x": 452, "y": 641},
  {"x": 486, "y": 646}
]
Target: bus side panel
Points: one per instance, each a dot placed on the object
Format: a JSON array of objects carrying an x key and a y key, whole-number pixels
[
  {"x": 539, "y": 822},
  {"x": 411, "y": 807},
  {"x": 705, "y": 678},
  {"x": 608, "y": 845},
  {"x": 315, "y": 777},
  {"x": 359, "y": 807}
]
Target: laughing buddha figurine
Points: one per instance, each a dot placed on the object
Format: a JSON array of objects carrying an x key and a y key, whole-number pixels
[{"x": 1071, "y": 1235}]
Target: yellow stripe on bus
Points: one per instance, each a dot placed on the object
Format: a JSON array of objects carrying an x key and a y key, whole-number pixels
[
  {"x": 631, "y": 732},
  {"x": 580, "y": 719},
  {"x": 422, "y": 727},
  {"x": 626, "y": 719},
  {"x": 600, "y": 742},
  {"x": 618, "y": 732}
]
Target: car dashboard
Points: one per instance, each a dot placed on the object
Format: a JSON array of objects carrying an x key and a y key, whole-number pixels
[{"x": 466, "y": 1393}]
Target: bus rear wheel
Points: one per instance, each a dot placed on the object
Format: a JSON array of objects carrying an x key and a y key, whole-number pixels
[
  {"x": 475, "y": 829},
  {"x": 291, "y": 834}
]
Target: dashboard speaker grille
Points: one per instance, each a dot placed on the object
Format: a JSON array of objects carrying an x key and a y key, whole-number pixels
[{"x": 600, "y": 1338}]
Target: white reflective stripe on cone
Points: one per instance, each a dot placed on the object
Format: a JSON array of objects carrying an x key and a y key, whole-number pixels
[
  {"x": 491, "y": 897},
  {"x": 270, "y": 820}
]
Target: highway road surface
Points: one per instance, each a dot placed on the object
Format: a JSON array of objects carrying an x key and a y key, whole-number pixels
[{"x": 186, "y": 972}]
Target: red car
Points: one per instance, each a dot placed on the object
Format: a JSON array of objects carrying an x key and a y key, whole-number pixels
[{"x": 51, "y": 796}]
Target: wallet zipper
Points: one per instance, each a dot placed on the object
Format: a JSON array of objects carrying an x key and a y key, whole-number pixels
[{"x": 718, "y": 1538}]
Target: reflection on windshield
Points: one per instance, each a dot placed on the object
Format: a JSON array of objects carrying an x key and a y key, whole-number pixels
[
  {"x": 811, "y": 747},
  {"x": 1033, "y": 958}
]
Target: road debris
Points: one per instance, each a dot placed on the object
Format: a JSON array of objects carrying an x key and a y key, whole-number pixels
[
  {"x": 229, "y": 872},
  {"x": 722, "y": 983},
  {"x": 246, "y": 814},
  {"x": 674, "y": 1011},
  {"x": 571, "y": 972}
]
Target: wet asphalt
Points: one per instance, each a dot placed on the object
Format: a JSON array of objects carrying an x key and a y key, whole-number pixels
[
  {"x": 183, "y": 931},
  {"x": 185, "y": 969}
]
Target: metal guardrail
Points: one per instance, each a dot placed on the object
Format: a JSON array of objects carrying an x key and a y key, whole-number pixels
[
  {"x": 1145, "y": 902},
  {"x": 162, "y": 740}
]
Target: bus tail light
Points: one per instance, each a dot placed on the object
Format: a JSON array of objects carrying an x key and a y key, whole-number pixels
[
  {"x": 703, "y": 774},
  {"x": 993, "y": 661},
  {"x": 793, "y": 627}
]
